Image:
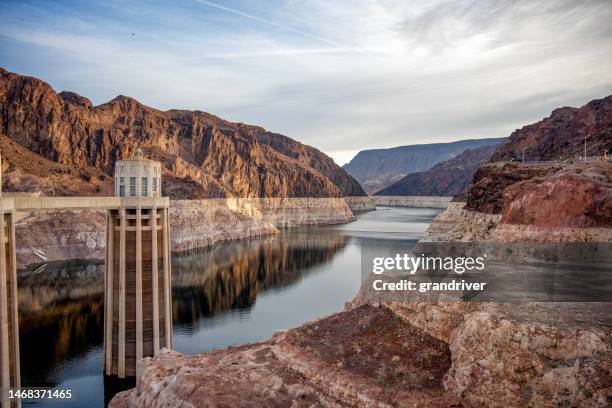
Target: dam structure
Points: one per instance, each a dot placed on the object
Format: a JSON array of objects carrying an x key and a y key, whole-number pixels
[
  {"x": 137, "y": 278},
  {"x": 9, "y": 326},
  {"x": 138, "y": 310}
]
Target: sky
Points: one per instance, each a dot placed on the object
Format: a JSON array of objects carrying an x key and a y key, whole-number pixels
[{"x": 341, "y": 76}]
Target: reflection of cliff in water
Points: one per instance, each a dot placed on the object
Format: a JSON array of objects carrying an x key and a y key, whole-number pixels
[
  {"x": 230, "y": 276},
  {"x": 60, "y": 316},
  {"x": 61, "y": 303}
]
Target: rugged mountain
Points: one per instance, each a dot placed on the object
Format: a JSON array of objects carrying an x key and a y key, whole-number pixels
[
  {"x": 444, "y": 179},
  {"x": 379, "y": 168},
  {"x": 551, "y": 194},
  {"x": 562, "y": 134},
  {"x": 26, "y": 171},
  {"x": 202, "y": 155}
]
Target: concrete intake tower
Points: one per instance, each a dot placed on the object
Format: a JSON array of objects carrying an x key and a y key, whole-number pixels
[{"x": 138, "y": 302}]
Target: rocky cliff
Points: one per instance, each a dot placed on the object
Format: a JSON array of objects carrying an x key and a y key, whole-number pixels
[
  {"x": 378, "y": 168},
  {"x": 562, "y": 134},
  {"x": 194, "y": 223},
  {"x": 444, "y": 179},
  {"x": 570, "y": 195},
  {"x": 544, "y": 198},
  {"x": 202, "y": 155},
  {"x": 26, "y": 171}
]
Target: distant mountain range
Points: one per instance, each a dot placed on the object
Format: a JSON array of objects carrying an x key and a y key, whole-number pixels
[
  {"x": 379, "y": 168},
  {"x": 62, "y": 143},
  {"x": 447, "y": 178}
]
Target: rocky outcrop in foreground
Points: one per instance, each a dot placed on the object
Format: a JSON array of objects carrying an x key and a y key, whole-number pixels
[
  {"x": 398, "y": 355},
  {"x": 363, "y": 356},
  {"x": 202, "y": 155},
  {"x": 194, "y": 223}
]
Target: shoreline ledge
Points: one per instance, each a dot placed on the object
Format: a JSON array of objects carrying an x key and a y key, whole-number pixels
[
  {"x": 65, "y": 235},
  {"x": 378, "y": 352},
  {"x": 412, "y": 201}
]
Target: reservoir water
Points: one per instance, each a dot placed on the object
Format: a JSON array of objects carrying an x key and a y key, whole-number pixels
[{"x": 232, "y": 293}]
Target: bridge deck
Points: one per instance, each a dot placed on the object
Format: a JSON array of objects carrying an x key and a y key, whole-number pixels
[{"x": 84, "y": 203}]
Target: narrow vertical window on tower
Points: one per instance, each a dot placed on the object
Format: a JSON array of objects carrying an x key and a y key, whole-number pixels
[
  {"x": 155, "y": 186},
  {"x": 132, "y": 186},
  {"x": 145, "y": 187},
  {"x": 121, "y": 186}
]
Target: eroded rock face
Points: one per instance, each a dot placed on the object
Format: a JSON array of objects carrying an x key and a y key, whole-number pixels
[
  {"x": 404, "y": 354},
  {"x": 362, "y": 357},
  {"x": 412, "y": 201},
  {"x": 561, "y": 135},
  {"x": 193, "y": 224},
  {"x": 515, "y": 355},
  {"x": 567, "y": 195},
  {"x": 202, "y": 155},
  {"x": 360, "y": 204},
  {"x": 247, "y": 376},
  {"x": 563, "y": 201},
  {"x": 28, "y": 172}
]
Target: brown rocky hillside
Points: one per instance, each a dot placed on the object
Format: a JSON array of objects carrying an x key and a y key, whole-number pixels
[
  {"x": 203, "y": 155},
  {"x": 444, "y": 179},
  {"x": 552, "y": 189},
  {"x": 562, "y": 134}
]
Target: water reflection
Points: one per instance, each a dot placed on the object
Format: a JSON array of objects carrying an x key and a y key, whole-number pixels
[
  {"x": 206, "y": 283},
  {"x": 232, "y": 293},
  {"x": 61, "y": 303}
]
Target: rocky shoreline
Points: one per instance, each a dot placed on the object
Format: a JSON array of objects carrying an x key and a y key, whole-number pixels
[
  {"x": 194, "y": 223},
  {"x": 395, "y": 354},
  {"x": 402, "y": 354},
  {"x": 458, "y": 224},
  {"x": 412, "y": 201}
]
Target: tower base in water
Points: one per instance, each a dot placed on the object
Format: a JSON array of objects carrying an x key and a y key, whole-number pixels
[{"x": 138, "y": 298}]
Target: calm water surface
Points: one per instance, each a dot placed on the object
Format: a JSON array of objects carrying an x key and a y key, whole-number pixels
[{"x": 233, "y": 293}]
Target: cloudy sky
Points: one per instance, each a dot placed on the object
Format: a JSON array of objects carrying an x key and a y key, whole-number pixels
[{"x": 339, "y": 75}]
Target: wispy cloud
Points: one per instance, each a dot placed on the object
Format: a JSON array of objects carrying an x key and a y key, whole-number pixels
[
  {"x": 444, "y": 69},
  {"x": 280, "y": 26}
]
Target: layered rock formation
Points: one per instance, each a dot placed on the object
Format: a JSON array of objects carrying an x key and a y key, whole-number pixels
[
  {"x": 378, "y": 168},
  {"x": 412, "y": 201},
  {"x": 547, "y": 200},
  {"x": 26, "y": 171},
  {"x": 562, "y": 134},
  {"x": 360, "y": 204},
  {"x": 444, "y": 179},
  {"x": 194, "y": 223},
  {"x": 402, "y": 354},
  {"x": 357, "y": 358},
  {"x": 562, "y": 202},
  {"x": 202, "y": 155}
]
